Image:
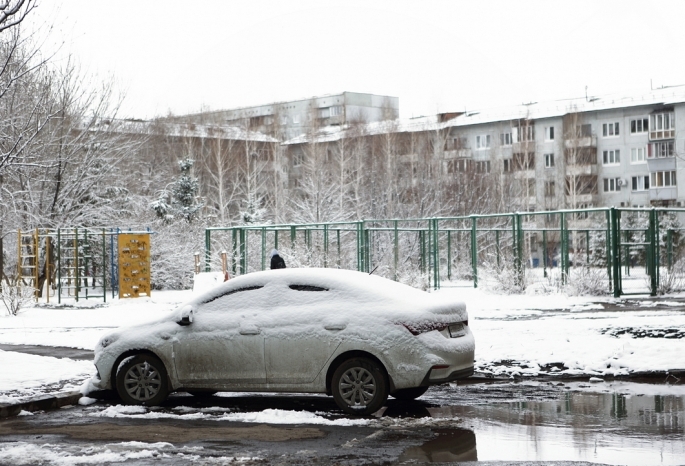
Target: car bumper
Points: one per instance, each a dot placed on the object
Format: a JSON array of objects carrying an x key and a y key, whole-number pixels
[{"x": 439, "y": 376}]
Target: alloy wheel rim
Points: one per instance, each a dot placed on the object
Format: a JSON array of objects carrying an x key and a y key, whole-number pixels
[
  {"x": 357, "y": 387},
  {"x": 142, "y": 381}
]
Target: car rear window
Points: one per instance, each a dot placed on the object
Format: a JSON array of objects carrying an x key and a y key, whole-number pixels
[
  {"x": 237, "y": 290},
  {"x": 307, "y": 288}
]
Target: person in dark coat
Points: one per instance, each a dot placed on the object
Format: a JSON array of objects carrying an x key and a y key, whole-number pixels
[{"x": 277, "y": 261}]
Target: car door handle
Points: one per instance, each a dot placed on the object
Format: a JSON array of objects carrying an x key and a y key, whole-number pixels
[
  {"x": 335, "y": 327},
  {"x": 249, "y": 331}
]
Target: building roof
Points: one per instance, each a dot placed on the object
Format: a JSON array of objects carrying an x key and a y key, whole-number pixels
[
  {"x": 558, "y": 108},
  {"x": 180, "y": 130},
  {"x": 532, "y": 111}
]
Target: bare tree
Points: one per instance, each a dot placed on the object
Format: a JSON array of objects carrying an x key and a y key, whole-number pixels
[{"x": 13, "y": 12}]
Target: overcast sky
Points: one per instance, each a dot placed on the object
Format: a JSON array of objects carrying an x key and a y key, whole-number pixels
[{"x": 183, "y": 56}]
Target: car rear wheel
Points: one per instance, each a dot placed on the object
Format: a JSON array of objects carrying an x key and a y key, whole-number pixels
[
  {"x": 408, "y": 394},
  {"x": 142, "y": 380},
  {"x": 359, "y": 386}
]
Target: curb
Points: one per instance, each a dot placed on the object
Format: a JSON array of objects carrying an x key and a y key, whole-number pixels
[{"x": 40, "y": 403}]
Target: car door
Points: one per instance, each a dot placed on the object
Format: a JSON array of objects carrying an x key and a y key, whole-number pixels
[
  {"x": 224, "y": 345},
  {"x": 298, "y": 344}
]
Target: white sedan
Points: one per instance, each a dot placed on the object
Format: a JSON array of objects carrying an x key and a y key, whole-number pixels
[{"x": 355, "y": 336}]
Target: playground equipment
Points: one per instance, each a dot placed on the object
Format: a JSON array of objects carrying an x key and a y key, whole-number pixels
[{"x": 73, "y": 263}]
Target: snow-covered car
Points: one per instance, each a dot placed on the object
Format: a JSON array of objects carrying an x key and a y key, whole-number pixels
[{"x": 355, "y": 336}]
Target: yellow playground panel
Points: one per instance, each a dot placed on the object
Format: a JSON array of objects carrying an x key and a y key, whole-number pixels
[{"x": 134, "y": 264}]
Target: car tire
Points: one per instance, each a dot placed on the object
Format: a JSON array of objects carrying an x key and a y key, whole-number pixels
[
  {"x": 142, "y": 380},
  {"x": 359, "y": 386},
  {"x": 408, "y": 394}
]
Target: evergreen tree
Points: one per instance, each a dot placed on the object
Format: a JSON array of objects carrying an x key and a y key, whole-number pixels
[{"x": 181, "y": 200}]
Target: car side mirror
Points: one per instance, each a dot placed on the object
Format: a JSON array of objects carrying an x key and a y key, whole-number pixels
[{"x": 186, "y": 316}]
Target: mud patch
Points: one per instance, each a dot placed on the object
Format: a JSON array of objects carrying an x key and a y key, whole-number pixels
[{"x": 673, "y": 333}]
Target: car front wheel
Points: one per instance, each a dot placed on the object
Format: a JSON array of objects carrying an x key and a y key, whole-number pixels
[
  {"x": 359, "y": 386},
  {"x": 142, "y": 380}
]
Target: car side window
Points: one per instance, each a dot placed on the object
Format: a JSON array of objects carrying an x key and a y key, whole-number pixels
[
  {"x": 237, "y": 290},
  {"x": 307, "y": 288}
]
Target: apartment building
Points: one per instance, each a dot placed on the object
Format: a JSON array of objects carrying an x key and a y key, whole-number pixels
[
  {"x": 599, "y": 151},
  {"x": 292, "y": 118},
  {"x": 622, "y": 151}
]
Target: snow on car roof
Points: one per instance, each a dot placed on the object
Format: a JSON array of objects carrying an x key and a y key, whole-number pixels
[{"x": 351, "y": 291}]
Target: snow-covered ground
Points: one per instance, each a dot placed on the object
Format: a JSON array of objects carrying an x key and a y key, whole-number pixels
[{"x": 515, "y": 335}]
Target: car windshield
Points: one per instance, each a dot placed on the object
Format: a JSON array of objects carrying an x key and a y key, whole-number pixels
[{"x": 237, "y": 290}]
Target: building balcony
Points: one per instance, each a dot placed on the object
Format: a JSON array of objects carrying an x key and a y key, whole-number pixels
[
  {"x": 661, "y": 134},
  {"x": 663, "y": 194},
  {"x": 458, "y": 153},
  {"x": 586, "y": 141},
  {"x": 661, "y": 164},
  {"x": 580, "y": 199},
  {"x": 575, "y": 170}
]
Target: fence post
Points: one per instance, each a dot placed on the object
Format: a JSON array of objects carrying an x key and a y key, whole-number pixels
[
  {"x": 474, "y": 251},
  {"x": 449, "y": 255},
  {"x": 615, "y": 251},
  {"x": 436, "y": 255},
  {"x": 654, "y": 251},
  {"x": 360, "y": 246},
  {"x": 563, "y": 253},
  {"x": 497, "y": 248},
  {"x": 518, "y": 251},
  {"x": 325, "y": 245},
  {"x": 396, "y": 248},
  {"x": 544, "y": 253},
  {"x": 263, "y": 248},
  {"x": 104, "y": 265}
]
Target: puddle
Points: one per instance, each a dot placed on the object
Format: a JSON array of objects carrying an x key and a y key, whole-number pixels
[{"x": 608, "y": 428}]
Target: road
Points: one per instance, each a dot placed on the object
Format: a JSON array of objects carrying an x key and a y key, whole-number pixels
[{"x": 555, "y": 421}]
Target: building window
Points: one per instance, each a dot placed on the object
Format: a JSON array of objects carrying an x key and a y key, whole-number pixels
[
  {"x": 637, "y": 154},
  {"x": 549, "y": 133},
  {"x": 505, "y": 139},
  {"x": 298, "y": 159},
  {"x": 523, "y": 132},
  {"x": 549, "y": 160},
  {"x": 581, "y": 184},
  {"x": 662, "y": 179},
  {"x": 483, "y": 142},
  {"x": 662, "y": 125},
  {"x": 661, "y": 149},
  {"x": 296, "y": 119},
  {"x": 640, "y": 183},
  {"x": 612, "y": 184},
  {"x": 463, "y": 165},
  {"x": 524, "y": 161},
  {"x": 507, "y": 165},
  {"x": 639, "y": 126},
  {"x": 584, "y": 131},
  {"x": 611, "y": 157},
  {"x": 483, "y": 167},
  {"x": 550, "y": 189},
  {"x": 336, "y": 110},
  {"x": 324, "y": 112},
  {"x": 610, "y": 129},
  {"x": 284, "y": 119}
]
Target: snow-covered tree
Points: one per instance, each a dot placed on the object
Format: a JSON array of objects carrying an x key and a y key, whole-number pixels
[{"x": 180, "y": 200}]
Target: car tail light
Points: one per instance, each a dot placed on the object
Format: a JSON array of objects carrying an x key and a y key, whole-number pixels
[
  {"x": 423, "y": 327},
  {"x": 455, "y": 330}
]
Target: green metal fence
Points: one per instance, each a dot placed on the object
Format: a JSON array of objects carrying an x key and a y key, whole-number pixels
[{"x": 613, "y": 245}]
